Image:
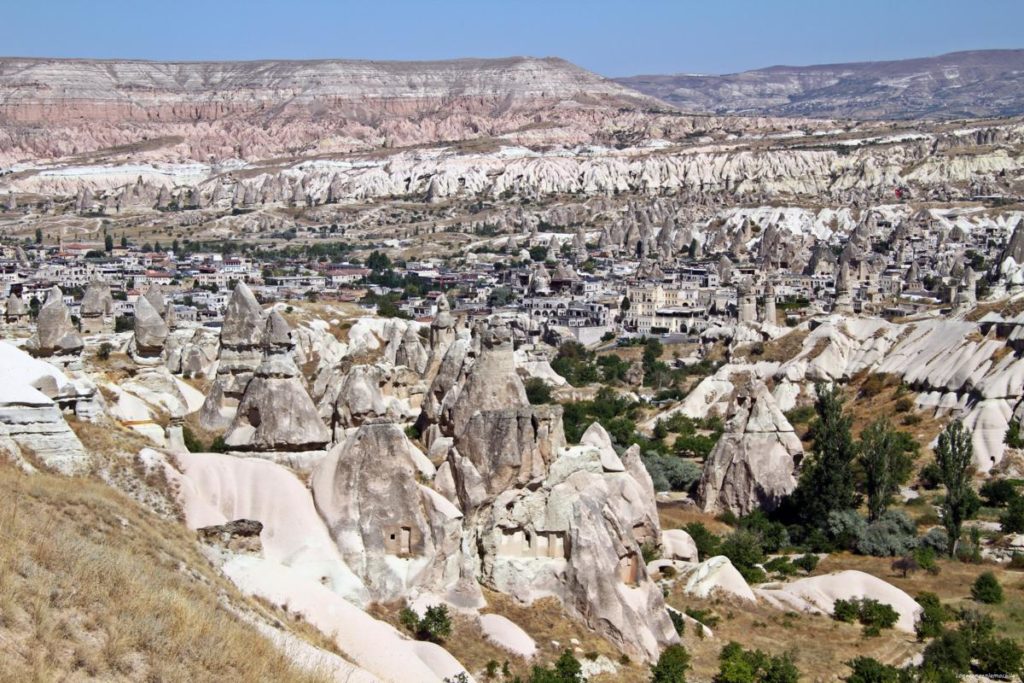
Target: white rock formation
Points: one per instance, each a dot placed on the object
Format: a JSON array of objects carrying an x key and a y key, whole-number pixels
[{"x": 753, "y": 464}]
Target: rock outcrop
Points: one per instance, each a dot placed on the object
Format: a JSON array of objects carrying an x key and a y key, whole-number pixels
[
  {"x": 97, "y": 311},
  {"x": 396, "y": 534},
  {"x": 753, "y": 464},
  {"x": 31, "y": 420},
  {"x": 241, "y": 352},
  {"x": 150, "y": 330},
  {"x": 276, "y": 413},
  {"x": 55, "y": 333}
]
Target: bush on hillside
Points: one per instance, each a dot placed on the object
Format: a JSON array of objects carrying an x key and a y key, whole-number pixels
[
  {"x": 893, "y": 534},
  {"x": 986, "y": 589}
]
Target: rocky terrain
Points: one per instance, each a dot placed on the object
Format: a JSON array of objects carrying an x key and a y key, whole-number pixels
[
  {"x": 951, "y": 86},
  {"x": 415, "y": 474}
]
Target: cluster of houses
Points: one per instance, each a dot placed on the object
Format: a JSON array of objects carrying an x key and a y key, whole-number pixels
[{"x": 585, "y": 292}]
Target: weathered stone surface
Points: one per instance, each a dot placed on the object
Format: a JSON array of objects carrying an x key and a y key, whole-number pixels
[
  {"x": 238, "y": 536},
  {"x": 753, "y": 465},
  {"x": 97, "y": 310},
  {"x": 30, "y": 416},
  {"x": 396, "y": 534},
  {"x": 16, "y": 310},
  {"x": 577, "y": 535},
  {"x": 500, "y": 449},
  {"x": 150, "y": 330},
  {"x": 491, "y": 384},
  {"x": 55, "y": 334},
  {"x": 243, "y": 319},
  {"x": 276, "y": 413},
  {"x": 411, "y": 352}
]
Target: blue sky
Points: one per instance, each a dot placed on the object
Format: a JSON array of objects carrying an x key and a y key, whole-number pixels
[{"x": 611, "y": 38}]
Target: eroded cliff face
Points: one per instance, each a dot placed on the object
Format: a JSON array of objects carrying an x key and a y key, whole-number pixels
[{"x": 258, "y": 109}]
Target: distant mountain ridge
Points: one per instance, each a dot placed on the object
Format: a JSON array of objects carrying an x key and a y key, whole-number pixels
[{"x": 956, "y": 85}]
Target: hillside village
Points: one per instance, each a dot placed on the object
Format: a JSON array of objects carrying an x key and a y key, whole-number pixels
[{"x": 502, "y": 387}]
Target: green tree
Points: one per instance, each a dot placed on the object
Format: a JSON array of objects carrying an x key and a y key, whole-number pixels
[
  {"x": 124, "y": 242},
  {"x": 954, "y": 455},
  {"x": 108, "y": 243},
  {"x": 39, "y": 236},
  {"x": 1012, "y": 521},
  {"x": 737, "y": 665},
  {"x": 672, "y": 665},
  {"x": 884, "y": 463},
  {"x": 986, "y": 589},
  {"x": 826, "y": 480},
  {"x": 869, "y": 670}
]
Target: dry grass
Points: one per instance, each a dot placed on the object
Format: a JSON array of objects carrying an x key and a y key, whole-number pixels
[
  {"x": 777, "y": 350},
  {"x": 547, "y": 624},
  {"x": 676, "y": 516},
  {"x": 952, "y": 585},
  {"x": 91, "y": 586},
  {"x": 819, "y": 645},
  {"x": 866, "y": 409}
]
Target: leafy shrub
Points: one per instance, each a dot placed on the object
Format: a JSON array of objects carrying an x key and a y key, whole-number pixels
[
  {"x": 192, "y": 442},
  {"x": 807, "y": 562},
  {"x": 773, "y": 535},
  {"x": 904, "y": 405},
  {"x": 998, "y": 492},
  {"x": 935, "y": 539},
  {"x": 737, "y": 665},
  {"x": 801, "y": 415},
  {"x": 986, "y": 589},
  {"x": 999, "y": 657},
  {"x": 703, "y": 616},
  {"x": 649, "y": 552},
  {"x": 910, "y": 419},
  {"x": 933, "y": 616},
  {"x": 678, "y": 622},
  {"x": 930, "y": 476},
  {"x": 567, "y": 669},
  {"x": 926, "y": 559},
  {"x": 707, "y": 543},
  {"x": 950, "y": 652},
  {"x": 892, "y": 534},
  {"x": 846, "y": 611},
  {"x": 845, "y": 528},
  {"x": 103, "y": 353},
  {"x": 435, "y": 625},
  {"x": 671, "y": 473},
  {"x": 744, "y": 550},
  {"x": 537, "y": 391},
  {"x": 905, "y": 565},
  {"x": 869, "y": 670},
  {"x": 672, "y": 665},
  {"x": 1016, "y": 562},
  {"x": 781, "y": 566},
  {"x": 1012, "y": 521},
  {"x": 1013, "y": 438},
  {"x": 872, "y": 614}
]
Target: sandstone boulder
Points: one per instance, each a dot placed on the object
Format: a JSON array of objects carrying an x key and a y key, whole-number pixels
[
  {"x": 754, "y": 463},
  {"x": 97, "y": 309},
  {"x": 396, "y": 534},
  {"x": 577, "y": 535},
  {"x": 276, "y": 413},
  {"x": 150, "y": 330},
  {"x": 55, "y": 333}
]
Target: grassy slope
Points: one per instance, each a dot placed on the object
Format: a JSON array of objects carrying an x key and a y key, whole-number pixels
[{"x": 93, "y": 586}]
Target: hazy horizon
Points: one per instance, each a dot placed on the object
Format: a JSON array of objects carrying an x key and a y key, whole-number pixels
[{"x": 652, "y": 37}]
